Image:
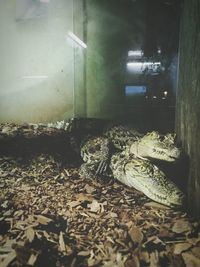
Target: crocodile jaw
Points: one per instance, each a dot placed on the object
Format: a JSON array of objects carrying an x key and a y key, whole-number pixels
[
  {"x": 153, "y": 150},
  {"x": 161, "y": 191},
  {"x": 149, "y": 180}
]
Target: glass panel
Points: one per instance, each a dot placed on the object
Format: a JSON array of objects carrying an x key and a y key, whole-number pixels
[
  {"x": 74, "y": 58},
  {"x": 131, "y": 43},
  {"x": 37, "y": 61}
]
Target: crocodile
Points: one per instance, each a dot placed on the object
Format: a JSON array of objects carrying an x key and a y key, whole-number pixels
[
  {"x": 147, "y": 178},
  {"x": 112, "y": 154}
]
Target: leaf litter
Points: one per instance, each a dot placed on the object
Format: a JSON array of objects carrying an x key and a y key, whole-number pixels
[{"x": 52, "y": 216}]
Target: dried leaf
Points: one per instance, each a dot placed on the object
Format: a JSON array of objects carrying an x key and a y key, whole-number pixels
[
  {"x": 94, "y": 206},
  {"x": 156, "y": 205},
  {"x": 5, "y": 204},
  {"x": 83, "y": 197},
  {"x": 182, "y": 226},
  {"x": 84, "y": 253},
  {"x": 18, "y": 213},
  {"x": 110, "y": 239},
  {"x": 30, "y": 234},
  {"x": 61, "y": 242},
  {"x": 113, "y": 215},
  {"x": 155, "y": 240},
  {"x": 42, "y": 219},
  {"x": 190, "y": 260},
  {"x": 179, "y": 248},
  {"x": 10, "y": 257},
  {"x": 46, "y": 235},
  {"x": 134, "y": 262},
  {"x": 117, "y": 260},
  {"x": 32, "y": 259},
  {"x": 68, "y": 250},
  {"x": 144, "y": 256},
  {"x": 25, "y": 187},
  {"x": 67, "y": 172},
  {"x": 91, "y": 262},
  {"x": 74, "y": 204},
  {"x": 154, "y": 259},
  {"x": 194, "y": 241},
  {"x": 165, "y": 233},
  {"x": 89, "y": 189},
  {"x": 136, "y": 234},
  {"x": 5, "y": 250}
]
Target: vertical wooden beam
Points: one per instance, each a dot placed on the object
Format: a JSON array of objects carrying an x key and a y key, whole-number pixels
[
  {"x": 188, "y": 98},
  {"x": 79, "y": 59}
]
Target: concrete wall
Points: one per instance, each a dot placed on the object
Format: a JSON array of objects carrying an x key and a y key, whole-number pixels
[
  {"x": 36, "y": 70},
  {"x": 188, "y": 98}
]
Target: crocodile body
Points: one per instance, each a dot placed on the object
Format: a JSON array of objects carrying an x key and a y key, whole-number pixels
[{"x": 115, "y": 151}]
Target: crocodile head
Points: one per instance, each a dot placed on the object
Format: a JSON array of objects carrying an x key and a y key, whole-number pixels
[
  {"x": 156, "y": 146},
  {"x": 146, "y": 178}
]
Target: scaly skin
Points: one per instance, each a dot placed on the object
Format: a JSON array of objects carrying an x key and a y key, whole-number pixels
[
  {"x": 147, "y": 178},
  {"x": 155, "y": 146},
  {"x": 95, "y": 152},
  {"x": 121, "y": 136},
  {"x": 125, "y": 166}
]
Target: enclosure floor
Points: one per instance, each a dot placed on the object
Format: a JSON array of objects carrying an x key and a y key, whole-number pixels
[{"x": 50, "y": 216}]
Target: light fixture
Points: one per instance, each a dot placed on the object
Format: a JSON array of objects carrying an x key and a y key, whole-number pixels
[
  {"x": 135, "y": 53},
  {"x": 137, "y": 64},
  {"x": 165, "y": 93},
  {"x": 140, "y": 67},
  {"x": 77, "y": 40},
  {"x": 35, "y": 77}
]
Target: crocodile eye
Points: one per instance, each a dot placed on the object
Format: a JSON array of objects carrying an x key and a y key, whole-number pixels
[
  {"x": 114, "y": 160},
  {"x": 91, "y": 150},
  {"x": 97, "y": 147},
  {"x": 162, "y": 138}
]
